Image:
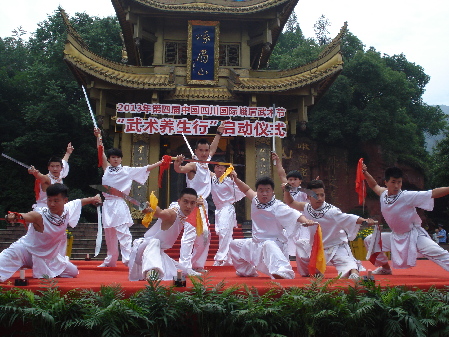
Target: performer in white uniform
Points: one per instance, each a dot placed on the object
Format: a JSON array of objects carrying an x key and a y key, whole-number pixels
[
  {"x": 116, "y": 215},
  {"x": 148, "y": 253},
  {"x": 224, "y": 195},
  {"x": 267, "y": 250},
  {"x": 194, "y": 249},
  {"x": 294, "y": 179},
  {"x": 40, "y": 247},
  {"x": 337, "y": 230},
  {"x": 57, "y": 170},
  {"x": 407, "y": 238}
]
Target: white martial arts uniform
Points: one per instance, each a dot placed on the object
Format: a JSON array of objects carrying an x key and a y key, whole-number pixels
[
  {"x": 148, "y": 253},
  {"x": 224, "y": 195},
  {"x": 266, "y": 251},
  {"x": 408, "y": 238},
  {"x": 42, "y": 200},
  {"x": 41, "y": 251},
  {"x": 294, "y": 233},
  {"x": 337, "y": 230},
  {"x": 194, "y": 248},
  {"x": 116, "y": 216}
]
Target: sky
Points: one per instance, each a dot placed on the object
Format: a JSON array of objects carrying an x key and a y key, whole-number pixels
[{"x": 418, "y": 29}]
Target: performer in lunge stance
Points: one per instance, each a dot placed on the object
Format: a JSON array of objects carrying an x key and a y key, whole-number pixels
[
  {"x": 267, "y": 250},
  {"x": 407, "y": 237},
  {"x": 116, "y": 216},
  {"x": 40, "y": 247},
  {"x": 57, "y": 170},
  {"x": 194, "y": 249},
  {"x": 224, "y": 194},
  {"x": 148, "y": 253},
  {"x": 337, "y": 229}
]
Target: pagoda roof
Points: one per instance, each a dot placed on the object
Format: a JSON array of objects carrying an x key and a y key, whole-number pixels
[
  {"x": 86, "y": 66},
  {"x": 209, "y": 7}
]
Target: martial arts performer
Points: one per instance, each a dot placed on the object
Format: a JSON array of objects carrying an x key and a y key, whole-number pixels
[
  {"x": 294, "y": 179},
  {"x": 337, "y": 230},
  {"x": 116, "y": 215},
  {"x": 266, "y": 252},
  {"x": 57, "y": 170},
  {"x": 40, "y": 247},
  {"x": 224, "y": 195},
  {"x": 148, "y": 253},
  {"x": 194, "y": 248},
  {"x": 407, "y": 237}
]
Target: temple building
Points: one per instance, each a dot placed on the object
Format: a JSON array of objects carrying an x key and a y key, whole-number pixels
[{"x": 189, "y": 64}]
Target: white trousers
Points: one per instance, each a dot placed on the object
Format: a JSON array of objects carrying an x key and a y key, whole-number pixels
[
  {"x": 339, "y": 256},
  {"x": 17, "y": 256},
  {"x": 425, "y": 246},
  {"x": 121, "y": 234},
  {"x": 194, "y": 248},
  {"x": 225, "y": 221},
  {"x": 269, "y": 257},
  {"x": 147, "y": 255}
]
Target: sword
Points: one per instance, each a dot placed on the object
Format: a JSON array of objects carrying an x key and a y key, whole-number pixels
[
  {"x": 16, "y": 161},
  {"x": 113, "y": 191},
  {"x": 310, "y": 193},
  {"x": 209, "y": 162},
  {"x": 90, "y": 108}
]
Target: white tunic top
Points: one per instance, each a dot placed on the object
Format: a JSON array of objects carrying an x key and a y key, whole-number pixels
[
  {"x": 42, "y": 200},
  {"x": 115, "y": 209},
  {"x": 270, "y": 219},
  {"x": 399, "y": 210},
  {"x": 225, "y": 193},
  {"x": 45, "y": 246},
  {"x": 336, "y": 227},
  {"x": 400, "y": 214},
  {"x": 201, "y": 182},
  {"x": 167, "y": 237},
  {"x": 298, "y": 195}
]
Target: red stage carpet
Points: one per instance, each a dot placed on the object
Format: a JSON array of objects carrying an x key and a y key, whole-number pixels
[{"x": 425, "y": 275}]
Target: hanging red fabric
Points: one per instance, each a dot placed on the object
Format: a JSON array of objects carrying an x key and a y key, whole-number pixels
[
  {"x": 360, "y": 187},
  {"x": 166, "y": 161}
]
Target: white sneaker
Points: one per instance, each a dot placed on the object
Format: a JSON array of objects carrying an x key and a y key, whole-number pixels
[
  {"x": 200, "y": 270},
  {"x": 354, "y": 276},
  {"x": 152, "y": 275},
  {"x": 192, "y": 272},
  {"x": 382, "y": 271}
]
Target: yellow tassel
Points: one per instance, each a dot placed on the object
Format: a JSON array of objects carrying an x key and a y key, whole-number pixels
[
  {"x": 153, "y": 204},
  {"x": 226, "y": 173},
  {"x": 199, "y": 223}
]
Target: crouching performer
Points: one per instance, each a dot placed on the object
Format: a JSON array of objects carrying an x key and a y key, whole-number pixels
[
  {"x": 266, "y": 251},
  {"x": 40, "y": 247},
  {"x": 337, "y": 228},
  {"x": 148, "y": 253}
]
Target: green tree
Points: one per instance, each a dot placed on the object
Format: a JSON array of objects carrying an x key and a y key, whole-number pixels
[{"x": 43, "y": 107}]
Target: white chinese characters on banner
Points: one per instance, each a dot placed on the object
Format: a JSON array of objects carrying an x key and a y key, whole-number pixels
[
  {"x": 200, "y": 110},
  {"x": 170, "y": 126}
]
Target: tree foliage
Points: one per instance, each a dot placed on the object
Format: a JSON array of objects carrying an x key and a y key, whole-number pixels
[{"x": 42, "y": 108}]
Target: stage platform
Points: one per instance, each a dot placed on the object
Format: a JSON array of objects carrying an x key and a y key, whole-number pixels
[{"x": 426, "y": 274}]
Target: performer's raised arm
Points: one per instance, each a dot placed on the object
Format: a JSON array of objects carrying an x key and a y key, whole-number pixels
[
  {"x": 68, "y": 152},
  {"x": 96, "y": 200},
  {"x": 279, "y": 168},
  {"x": 104, "y": 162},
  {"x": 372, "y": 182},
  {"x": 214, "y": 144},
  {"x": 43, "y": 178}
]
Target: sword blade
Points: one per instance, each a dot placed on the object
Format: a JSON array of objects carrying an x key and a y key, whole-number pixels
[
  {"x": 16, "y": 161},
  {"x": 310, "y": 193},
  {"x": 209, "y": 162},
  {"x": 113, "y": 191}
]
